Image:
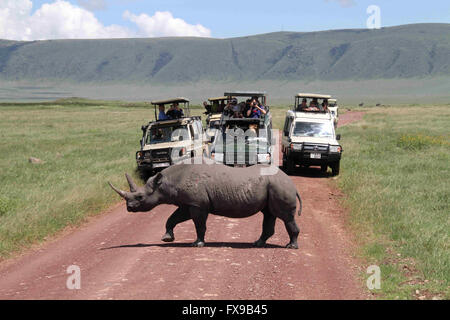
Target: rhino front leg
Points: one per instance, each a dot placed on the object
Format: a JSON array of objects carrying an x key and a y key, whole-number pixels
[
  {"x": 268, "y": 229},
  {"x": 199, "y": 216},
  {"x": 180, "y": 215}
]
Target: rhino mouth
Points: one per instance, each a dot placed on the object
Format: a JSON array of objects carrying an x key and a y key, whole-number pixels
[{"x": 132, "y": 209}]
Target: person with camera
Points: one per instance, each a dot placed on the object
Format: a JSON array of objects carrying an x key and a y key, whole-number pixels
[{"x": 256, "y": 109}]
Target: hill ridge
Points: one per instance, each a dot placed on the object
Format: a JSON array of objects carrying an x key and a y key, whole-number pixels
[{"x": 404, "y": 51}]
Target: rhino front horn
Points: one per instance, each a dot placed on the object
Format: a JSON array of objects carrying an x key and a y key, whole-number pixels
[
  {"x": 133, "y": 187},
  {"x": 120, "y": 192}
]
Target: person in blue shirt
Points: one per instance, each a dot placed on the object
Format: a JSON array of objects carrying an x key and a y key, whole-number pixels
[
  {"x": 162, "y": 114},
  {"x": 256, "y": 109}
]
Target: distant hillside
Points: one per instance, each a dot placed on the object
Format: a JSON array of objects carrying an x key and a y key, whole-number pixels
[{"x": 396, "y": 52}]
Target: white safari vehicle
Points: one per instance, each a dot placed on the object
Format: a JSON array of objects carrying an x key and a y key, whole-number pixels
[
  {"x": 309, "y": 137},
  {"x": 243, "y": 141},
  {"x": 334, "y": 110},
  {"x": 168, "y": 141}
]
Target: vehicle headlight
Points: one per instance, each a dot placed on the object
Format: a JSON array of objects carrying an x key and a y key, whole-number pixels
[
  {"x": 335, "y": 149},
  {"x": 264, "y": 158},
  {"x": 296, "y": 146},
  {"x": 218, "y": 157}
]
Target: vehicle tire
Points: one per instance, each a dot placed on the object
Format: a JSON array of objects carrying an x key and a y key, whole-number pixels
[
  {"x": 144, "y": 174},
  {"x": 335, "y": 168},
  {"x": 290, "y": 166}
]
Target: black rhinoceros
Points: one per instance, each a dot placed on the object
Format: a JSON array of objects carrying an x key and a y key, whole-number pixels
[{"x": 200, "y": 189}]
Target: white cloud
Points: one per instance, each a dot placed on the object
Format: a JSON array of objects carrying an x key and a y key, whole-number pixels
[
  {"x": 92, "y": 5},
  {"x": 62, "y": 20},
  {"x": 163, "y": 24}
]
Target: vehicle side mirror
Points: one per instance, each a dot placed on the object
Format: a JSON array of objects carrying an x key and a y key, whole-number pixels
[
  {"x": 212, "y": 139},
  {"x": 286, "y": 133},
  {"x": 338, "y": 137}
]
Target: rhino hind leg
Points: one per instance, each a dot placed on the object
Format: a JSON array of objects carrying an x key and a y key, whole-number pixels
[
  {"x": 293, "y": 231},
  {"x": 199, "y": 216},
  {"x": 180, "y": 215},
  {"x": 268, "y": 229}
]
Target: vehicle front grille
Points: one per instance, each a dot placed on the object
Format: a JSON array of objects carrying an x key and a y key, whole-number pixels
[
  {"x": 315, "y": 148},
  {"x": 160, "y": 155},
  {"x": 241, "y": 158}
]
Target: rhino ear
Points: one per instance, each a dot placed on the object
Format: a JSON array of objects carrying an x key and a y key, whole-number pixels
[
  {"x": 154, "y": 182},
  {"x": 157, "y": 179}
]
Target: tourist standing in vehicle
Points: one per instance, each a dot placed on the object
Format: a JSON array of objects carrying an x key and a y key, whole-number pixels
[
  {"x": 256, "y": 109},
  {"x": 175, "y": 112},
  {"x": 162, "y": 115},
  {"x": 303, "y": 106},
  {"x": 324, "y": 106},
  {"x": 208, "y": 108}
]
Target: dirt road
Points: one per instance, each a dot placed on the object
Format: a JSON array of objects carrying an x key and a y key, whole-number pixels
[{"x": 120, "y": 256}]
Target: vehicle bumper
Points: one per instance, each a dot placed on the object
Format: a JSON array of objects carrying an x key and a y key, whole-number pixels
[
  {"x": 148, "y": 165},
  {"x": 300, "y": 157},
  {"x": 242, "y": 159}
]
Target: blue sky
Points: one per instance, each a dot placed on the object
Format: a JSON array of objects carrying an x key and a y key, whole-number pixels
[{"x": 233, "y": 18}]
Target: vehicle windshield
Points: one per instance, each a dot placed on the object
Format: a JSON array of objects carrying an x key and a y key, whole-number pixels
[
  {"x": 214, "y": 124},
  {"x": 313, "y": 129},
  {"x": 161, "y": 134}
]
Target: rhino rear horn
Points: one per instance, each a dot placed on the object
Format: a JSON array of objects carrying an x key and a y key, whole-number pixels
[
  {"x": 133, "y": 187},
  {"x": 121, "y": 193}
]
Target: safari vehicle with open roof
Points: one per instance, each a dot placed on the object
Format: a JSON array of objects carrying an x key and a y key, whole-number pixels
[
  {"x": 309, "y": 137},
  {"x": 170, "y": 140},
  {"x": 217, "y": 104},
  {"x": 241, "y": 140}
]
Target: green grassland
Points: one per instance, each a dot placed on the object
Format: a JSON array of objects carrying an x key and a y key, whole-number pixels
[
  {"x": 82, "y": 144},
  {"x": 394, "y": 172},
  {"x": 396, "y": 177}
]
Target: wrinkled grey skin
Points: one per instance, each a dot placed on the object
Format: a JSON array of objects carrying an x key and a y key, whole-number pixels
[{"x": 201, "y": 189}]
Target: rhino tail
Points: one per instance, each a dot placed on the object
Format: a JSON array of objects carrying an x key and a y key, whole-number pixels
[{"x": 300, "y": 203}]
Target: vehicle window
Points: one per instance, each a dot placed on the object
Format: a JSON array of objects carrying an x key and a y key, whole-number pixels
[
  {"x": 214, "y": 124},
  {"x": 199, "y": 126},
  {"x": 287, "y": 125},
  {"x": 311, "y": 129},
  {"x": 195, "y": 128},
  {"x": 161, "y": 134},
  {"x": 191, "y": 129}
]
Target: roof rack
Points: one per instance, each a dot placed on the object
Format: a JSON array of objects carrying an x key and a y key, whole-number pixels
[
  {"x": 219, "y": 98},
  {"x": 245, "y": 93},
  {"x": 313, "y": 95},
  {"x": 185, "y": 101},
  {"x": 173, "y": 100}
]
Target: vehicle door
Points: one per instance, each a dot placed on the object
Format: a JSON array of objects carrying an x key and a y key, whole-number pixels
[{"x": 286, "y": 140}]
